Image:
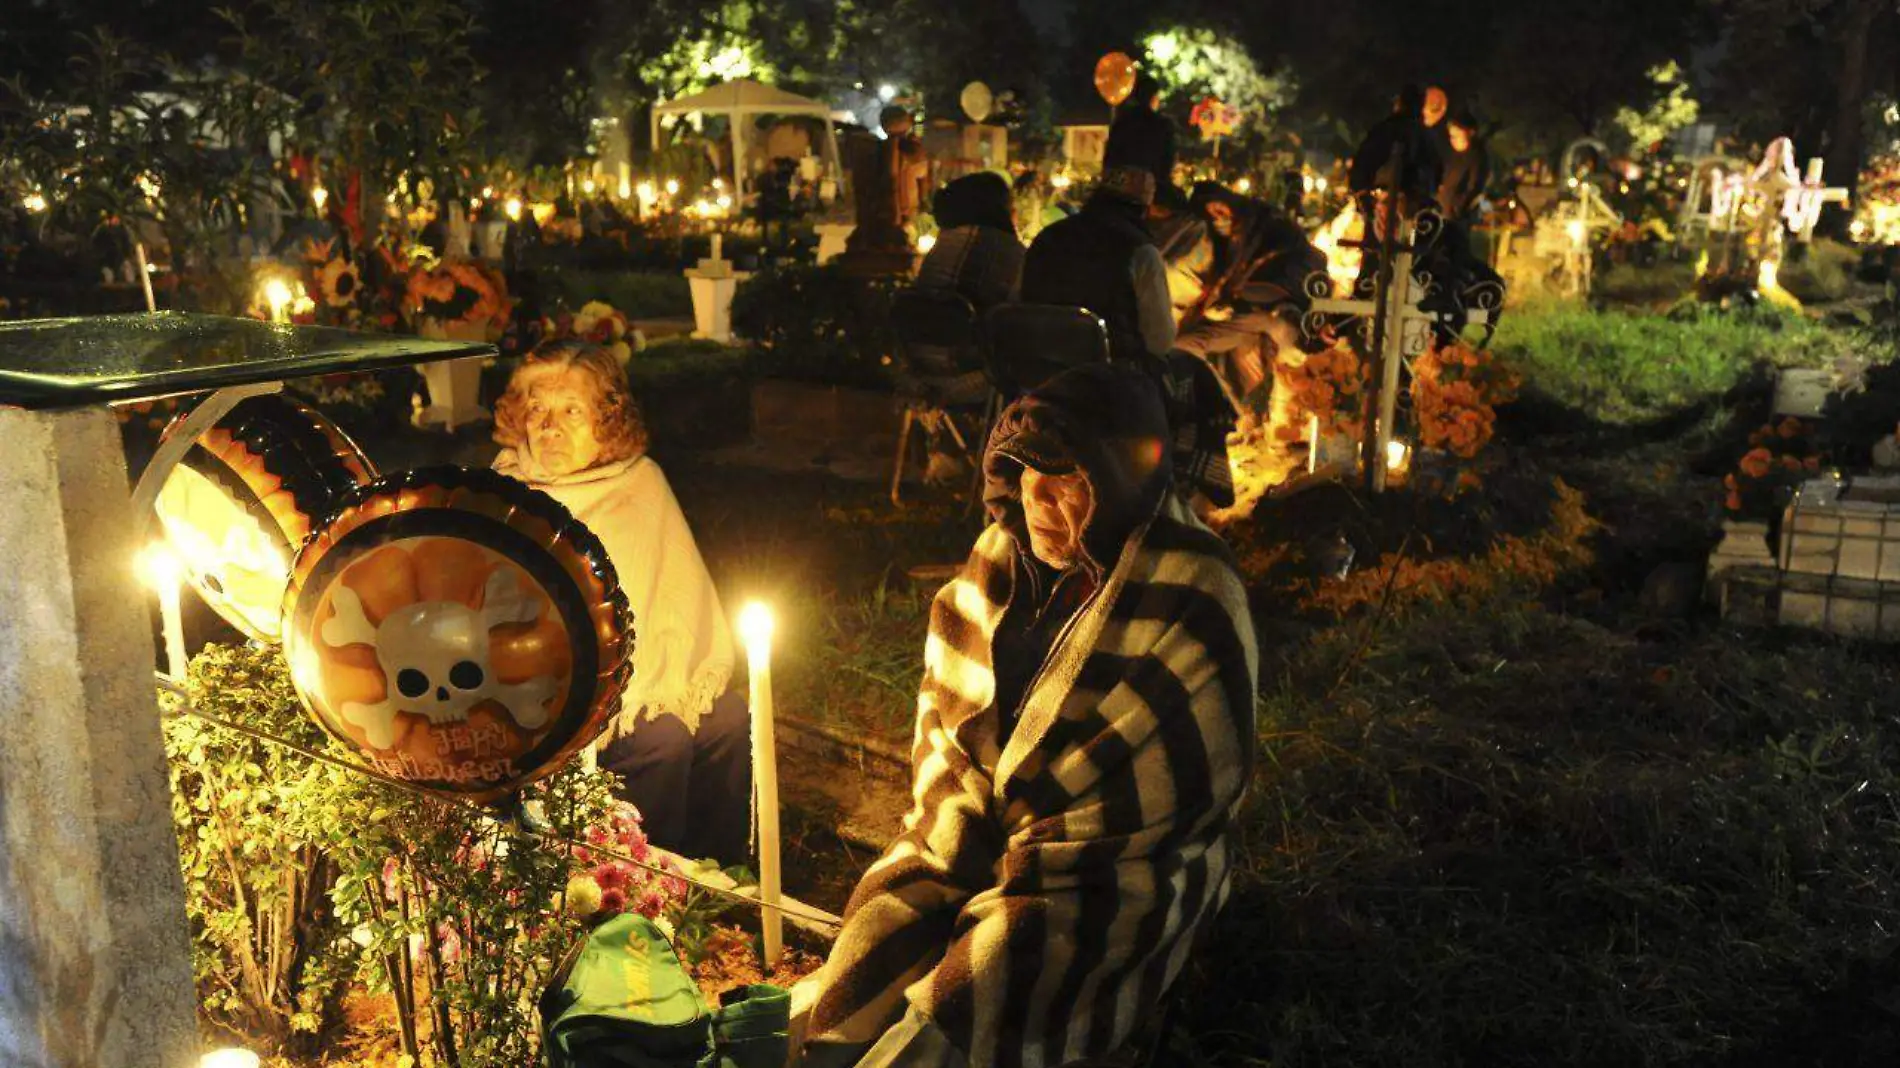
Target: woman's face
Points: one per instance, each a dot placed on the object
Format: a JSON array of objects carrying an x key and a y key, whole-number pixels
[
  {"x": 1056, "y": 509},
  {"x": 561, "y": 422},
  {"x": 1222, "y": 218}
]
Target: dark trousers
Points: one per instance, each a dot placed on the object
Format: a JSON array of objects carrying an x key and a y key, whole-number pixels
[
  {"x": 694, "y": 791},
  {"x": 1237, "y": 351}
]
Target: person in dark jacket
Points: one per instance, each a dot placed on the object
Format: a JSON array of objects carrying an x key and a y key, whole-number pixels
[
  {"x": 1253, "y": 297},
  {"x": 1403, "y": 130},
  {"x": 977, "y": 255},
  {"x": 1467, "y": 168},
  {"x": 1103, "y": 259}
]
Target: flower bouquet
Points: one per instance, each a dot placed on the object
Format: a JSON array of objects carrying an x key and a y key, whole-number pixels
[
  {"x": 457, "y": 298},
  {"x": 1780, "y": 457},
  {"x": 1330, "y": 385},
  {"x": 598, "y": 322},
  {"x": 1456, "y": 391}
]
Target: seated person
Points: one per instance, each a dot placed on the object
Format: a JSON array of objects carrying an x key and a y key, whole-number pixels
[
  {"x": 1103, "y": 259},
  {"x": 977, "y": 254},
  {"x": 977, "y": 257},
  {"x": 1254, "y": 296},
  {"x": 1084, "y": 735},
  {"x": 681, "y": 742}
]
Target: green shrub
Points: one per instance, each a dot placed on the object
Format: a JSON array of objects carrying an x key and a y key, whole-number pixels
[
  {"x": 816, "y": 324},
  {"x": 1624, "y": 368},
  {"x": 636, "y": 294},
  {"x": 1662, "y": 284},
  {"x": 1823, "y": 273},
  {"x": 301, "y": 878},
  {"x": 1510, "y": 837}
]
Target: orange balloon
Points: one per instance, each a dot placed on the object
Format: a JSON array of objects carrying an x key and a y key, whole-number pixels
[{"x": 1115, "y": 77}]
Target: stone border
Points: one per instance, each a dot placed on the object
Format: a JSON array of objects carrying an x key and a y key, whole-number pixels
[{"x": 872, "y": 756}]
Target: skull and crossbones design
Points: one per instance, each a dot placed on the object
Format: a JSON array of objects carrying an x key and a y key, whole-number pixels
[{"x": 435, "y": 658}]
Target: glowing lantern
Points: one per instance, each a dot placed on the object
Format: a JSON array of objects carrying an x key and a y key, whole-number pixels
[{"x": 459, "y": 628}]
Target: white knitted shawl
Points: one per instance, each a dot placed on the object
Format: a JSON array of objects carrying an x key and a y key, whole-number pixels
[{"x": 683, "y": 652}]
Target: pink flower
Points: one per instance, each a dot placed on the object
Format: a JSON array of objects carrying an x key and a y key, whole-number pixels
[
  {"x": 392, "y": 876},
  {"x": 633, "y": 839},
  {"x": 598, "y": 836},
  {"x": 651, "y": 904},
  {"x": 584, "y": 854},
  {"x": 675, "y": 887},
  {"x": 613, "y": 902},
  {"x": 614, "y": 875},
  {"x": 449, "y": 942}
]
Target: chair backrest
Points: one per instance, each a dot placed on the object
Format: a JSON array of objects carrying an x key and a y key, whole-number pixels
[
  {"x": 1031, "y": 343},
  {"x": 935, "y": 325}
]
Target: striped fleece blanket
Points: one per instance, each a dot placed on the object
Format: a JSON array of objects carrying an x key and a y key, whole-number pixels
[{"x": 1044, "y": 893}]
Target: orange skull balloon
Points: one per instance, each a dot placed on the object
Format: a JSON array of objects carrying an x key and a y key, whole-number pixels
[
  {"x": 246, "y": 496},
  {"x": 462, "y": 630},
  {"x": 1115, "y": 77}
]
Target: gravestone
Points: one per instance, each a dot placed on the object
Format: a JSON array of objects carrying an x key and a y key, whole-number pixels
[{"x": 95, "y": 952}]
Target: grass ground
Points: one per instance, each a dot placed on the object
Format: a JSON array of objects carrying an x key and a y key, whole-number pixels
[{"x": 1510, "y": 809}]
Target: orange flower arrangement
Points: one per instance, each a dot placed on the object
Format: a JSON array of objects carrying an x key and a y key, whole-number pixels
[
  {"x": 1330, "y": 384},
  {"x": 1779, "y": 455},
  {"x": 458, "y": 293},
  {"x": 1456, "y": 391}
]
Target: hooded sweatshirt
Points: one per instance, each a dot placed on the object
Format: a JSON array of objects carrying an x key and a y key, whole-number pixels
[{"x": 1108, "y": 423}]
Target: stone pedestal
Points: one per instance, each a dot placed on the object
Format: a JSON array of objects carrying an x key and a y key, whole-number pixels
[
  {"x": 713, "y": 284},
  {"x": 95, "y": 965},
  {"x": 832, "y": 239}
]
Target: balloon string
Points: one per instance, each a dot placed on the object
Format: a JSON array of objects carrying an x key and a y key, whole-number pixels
[{"x": 187, "y": 708}]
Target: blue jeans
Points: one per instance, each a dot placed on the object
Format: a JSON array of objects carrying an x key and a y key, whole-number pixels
[{"x": 694, "y": 791}]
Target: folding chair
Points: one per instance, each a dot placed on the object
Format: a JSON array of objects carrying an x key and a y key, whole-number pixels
[
  {"x": 937, "y": 333},
  {"x": 1031, "y": 343}
]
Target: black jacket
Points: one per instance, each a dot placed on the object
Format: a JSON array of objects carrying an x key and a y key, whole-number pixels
[{"x": 1087, "y": 261}]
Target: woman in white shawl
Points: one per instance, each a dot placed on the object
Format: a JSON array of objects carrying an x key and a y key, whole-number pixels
[{"x": 571, "y": 428}]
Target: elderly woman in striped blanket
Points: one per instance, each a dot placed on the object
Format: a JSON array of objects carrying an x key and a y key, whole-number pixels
[{"x": 1084, "y": 735}]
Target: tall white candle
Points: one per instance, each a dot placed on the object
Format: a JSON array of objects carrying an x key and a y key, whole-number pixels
[
  {"x": 164, "y": 572},
  {"x": 145, "y": 276},
  {"x": 718, "y": 243},
  {"x": 755, "y": 629}
]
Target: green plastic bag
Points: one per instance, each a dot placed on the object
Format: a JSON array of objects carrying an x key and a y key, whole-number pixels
[
  {"x": 753, "y": 1027},
  {"x": 622, "y": 999}
]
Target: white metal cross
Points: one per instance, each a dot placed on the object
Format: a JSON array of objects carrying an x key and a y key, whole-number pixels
[
  {"x": 1408, "y": 333},
  {"x": 1801, "y": 206}
]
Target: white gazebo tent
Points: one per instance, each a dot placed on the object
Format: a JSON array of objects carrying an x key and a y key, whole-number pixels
[{"x": 743, "y": 98}]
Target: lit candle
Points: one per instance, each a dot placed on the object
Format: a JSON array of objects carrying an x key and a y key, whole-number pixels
[
  {"x": 277, "y": 295},
  {"x": 145, "y": 276},
  {"x": 755, "y": 629},
  {"x": 163, "y": 572}
]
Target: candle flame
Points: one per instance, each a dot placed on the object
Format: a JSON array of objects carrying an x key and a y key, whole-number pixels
[
  {"x": 755, "y": 627},
  {"x": 160, "y": 568}
]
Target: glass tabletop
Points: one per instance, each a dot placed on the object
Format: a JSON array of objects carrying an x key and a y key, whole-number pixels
[{"x": 103, "y": 359}]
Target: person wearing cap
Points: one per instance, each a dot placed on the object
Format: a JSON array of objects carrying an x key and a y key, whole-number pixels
[
  {"x": 1084, "y": 735},
  {"x": 1141, "y": 136},
  {"x": 1103, "y": 259}
]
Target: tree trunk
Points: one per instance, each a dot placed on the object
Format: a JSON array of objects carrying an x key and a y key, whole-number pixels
[{"x": 1845, "y": 143}]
